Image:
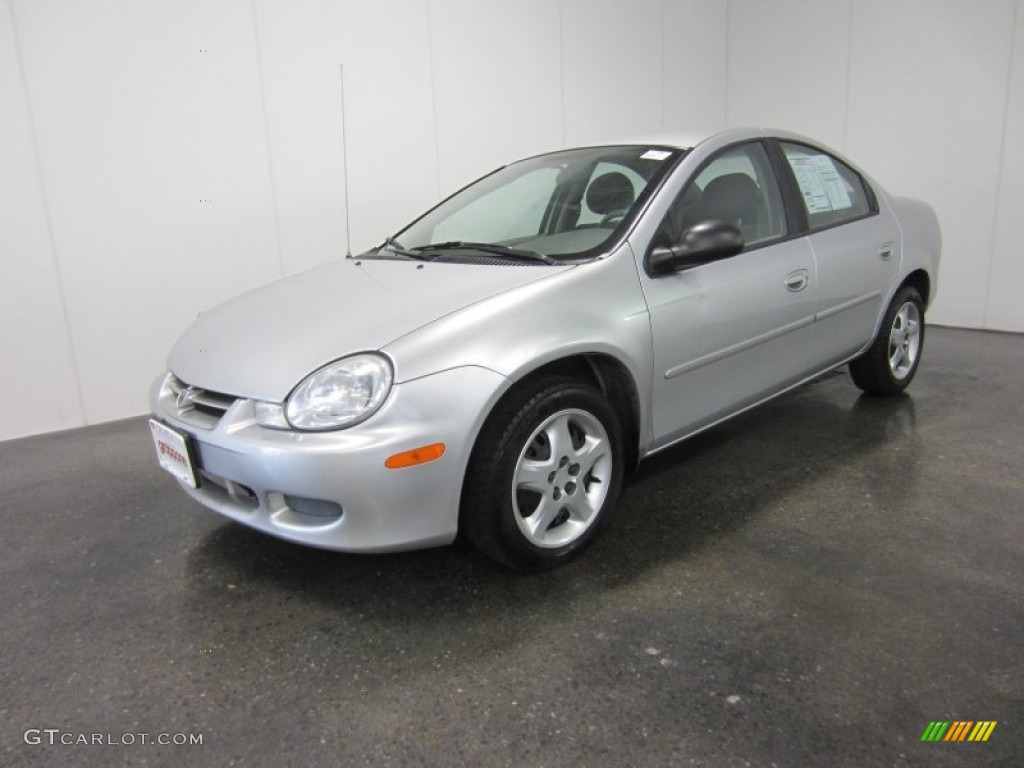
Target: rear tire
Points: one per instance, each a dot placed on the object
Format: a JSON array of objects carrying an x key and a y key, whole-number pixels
[
  {"x": 889, "y": 364},
  {"x": 545, "y": 473}
]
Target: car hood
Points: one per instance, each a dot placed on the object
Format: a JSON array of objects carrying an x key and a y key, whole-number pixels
[{"x": 262, "y": 343}]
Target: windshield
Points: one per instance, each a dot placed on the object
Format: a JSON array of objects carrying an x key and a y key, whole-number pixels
[{"x": 562, "y": 206}]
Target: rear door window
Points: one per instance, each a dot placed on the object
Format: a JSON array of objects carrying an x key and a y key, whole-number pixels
[{"x": 832, "y": 192}]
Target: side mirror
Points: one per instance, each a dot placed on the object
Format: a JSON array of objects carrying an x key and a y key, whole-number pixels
[{"x": 700, "y": 244}]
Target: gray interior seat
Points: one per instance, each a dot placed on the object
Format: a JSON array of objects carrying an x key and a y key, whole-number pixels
[
  {"x": 734, "y": 198},
  {"x": 610, "y": 192}
]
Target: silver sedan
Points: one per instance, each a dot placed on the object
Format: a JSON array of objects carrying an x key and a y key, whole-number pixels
[{"x": 496, "y": 367}]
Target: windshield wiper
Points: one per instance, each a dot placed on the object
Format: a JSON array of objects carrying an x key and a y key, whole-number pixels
[
  {"x": 491, "y": 248},
  {"x": 395, "y": 247}
]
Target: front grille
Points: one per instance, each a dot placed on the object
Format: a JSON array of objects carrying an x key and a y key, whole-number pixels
[{"x": 198, "y": 407}]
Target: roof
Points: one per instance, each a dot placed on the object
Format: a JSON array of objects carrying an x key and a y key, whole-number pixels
[
  {"x": 680, "y": 139},
  {"x": 687, "y": 139}
]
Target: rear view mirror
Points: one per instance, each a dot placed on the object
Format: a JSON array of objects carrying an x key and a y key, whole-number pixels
[{"x": 702, "y": 243}]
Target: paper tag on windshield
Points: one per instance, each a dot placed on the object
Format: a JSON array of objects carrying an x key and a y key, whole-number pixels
[{"x": 655, "y": 154}]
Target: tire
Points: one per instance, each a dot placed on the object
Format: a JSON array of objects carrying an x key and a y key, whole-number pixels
[
  {"x": 546, "y": 471},
  {"x": 889, "y": 364}
]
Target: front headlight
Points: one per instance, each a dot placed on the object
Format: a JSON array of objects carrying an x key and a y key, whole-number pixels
[{"x": 341, "y": 394}]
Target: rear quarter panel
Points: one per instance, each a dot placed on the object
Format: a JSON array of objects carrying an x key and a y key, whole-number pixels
[{"x": 921, "y": 240}]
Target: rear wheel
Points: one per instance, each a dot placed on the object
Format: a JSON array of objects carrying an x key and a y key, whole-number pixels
[
  {"x": 545, "y": 472},
  {"x": 889, "y": 364}
]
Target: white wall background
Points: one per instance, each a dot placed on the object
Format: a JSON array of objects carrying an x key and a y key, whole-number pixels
[{"x": 120, "y": 119}]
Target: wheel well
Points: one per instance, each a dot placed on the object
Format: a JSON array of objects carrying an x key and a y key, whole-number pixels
[
  {"x": 612, "y": 379},
  {"x": 919, "y": 279}
]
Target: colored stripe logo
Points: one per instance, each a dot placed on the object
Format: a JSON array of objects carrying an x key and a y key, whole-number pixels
[{"x": 958, "y": 730}]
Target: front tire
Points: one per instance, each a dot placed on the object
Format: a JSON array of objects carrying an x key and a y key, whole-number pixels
[
  {"x": 889, "y": 365},
  {"x": 546, "y": 471}
]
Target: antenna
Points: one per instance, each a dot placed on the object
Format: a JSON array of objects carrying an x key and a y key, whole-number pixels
[{"x": 344, "y": 158}]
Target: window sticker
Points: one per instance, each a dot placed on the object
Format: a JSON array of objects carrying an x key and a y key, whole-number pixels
[
  {"x": 655, "y": 154},
  {"x": 822, "y": 186},
  {"x": 835, "y": 187}
]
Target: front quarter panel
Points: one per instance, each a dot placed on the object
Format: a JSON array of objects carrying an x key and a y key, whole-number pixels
[{"x": 595, "y": 308}]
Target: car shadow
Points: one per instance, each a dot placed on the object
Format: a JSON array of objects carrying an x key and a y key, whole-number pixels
[{"x": 713, "y": 483}]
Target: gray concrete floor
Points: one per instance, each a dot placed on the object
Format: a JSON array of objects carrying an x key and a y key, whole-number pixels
[{"x": 809, "y": 585}]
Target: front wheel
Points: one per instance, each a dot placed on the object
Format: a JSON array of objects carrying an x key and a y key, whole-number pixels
[
  {"x": 890, "y": 363},
  {"x": 545, "y": 472}
]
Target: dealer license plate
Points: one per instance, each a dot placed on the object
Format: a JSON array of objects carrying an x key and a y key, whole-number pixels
[{"x": 172, "y": 451}]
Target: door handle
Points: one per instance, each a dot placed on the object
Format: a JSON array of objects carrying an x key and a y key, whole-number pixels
[
  {"x": 885, "y": 251},
  {"x": 797, "y": 281}
]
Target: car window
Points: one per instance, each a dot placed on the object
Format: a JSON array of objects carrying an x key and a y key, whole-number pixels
[
  {"x": 737, "y": 186},
  {"x": 832, "y": 191},
  {"x": 505, "y": 213},
  {"x": 567, "y": 204}
]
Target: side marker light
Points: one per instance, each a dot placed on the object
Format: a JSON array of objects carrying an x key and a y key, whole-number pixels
[{"x": 420, "y": 455}]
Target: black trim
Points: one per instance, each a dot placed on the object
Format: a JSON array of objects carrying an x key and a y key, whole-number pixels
[{"x": 796, "y": 211}]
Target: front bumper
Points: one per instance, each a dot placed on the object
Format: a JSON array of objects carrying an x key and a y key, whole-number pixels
[{"x": 331, "y": 489}]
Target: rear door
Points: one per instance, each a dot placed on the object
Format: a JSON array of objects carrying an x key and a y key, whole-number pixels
[{"x": 856, "y": 250}]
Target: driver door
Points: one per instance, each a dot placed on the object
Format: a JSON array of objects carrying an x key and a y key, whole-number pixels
[{"x": 729, "y": 333}]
